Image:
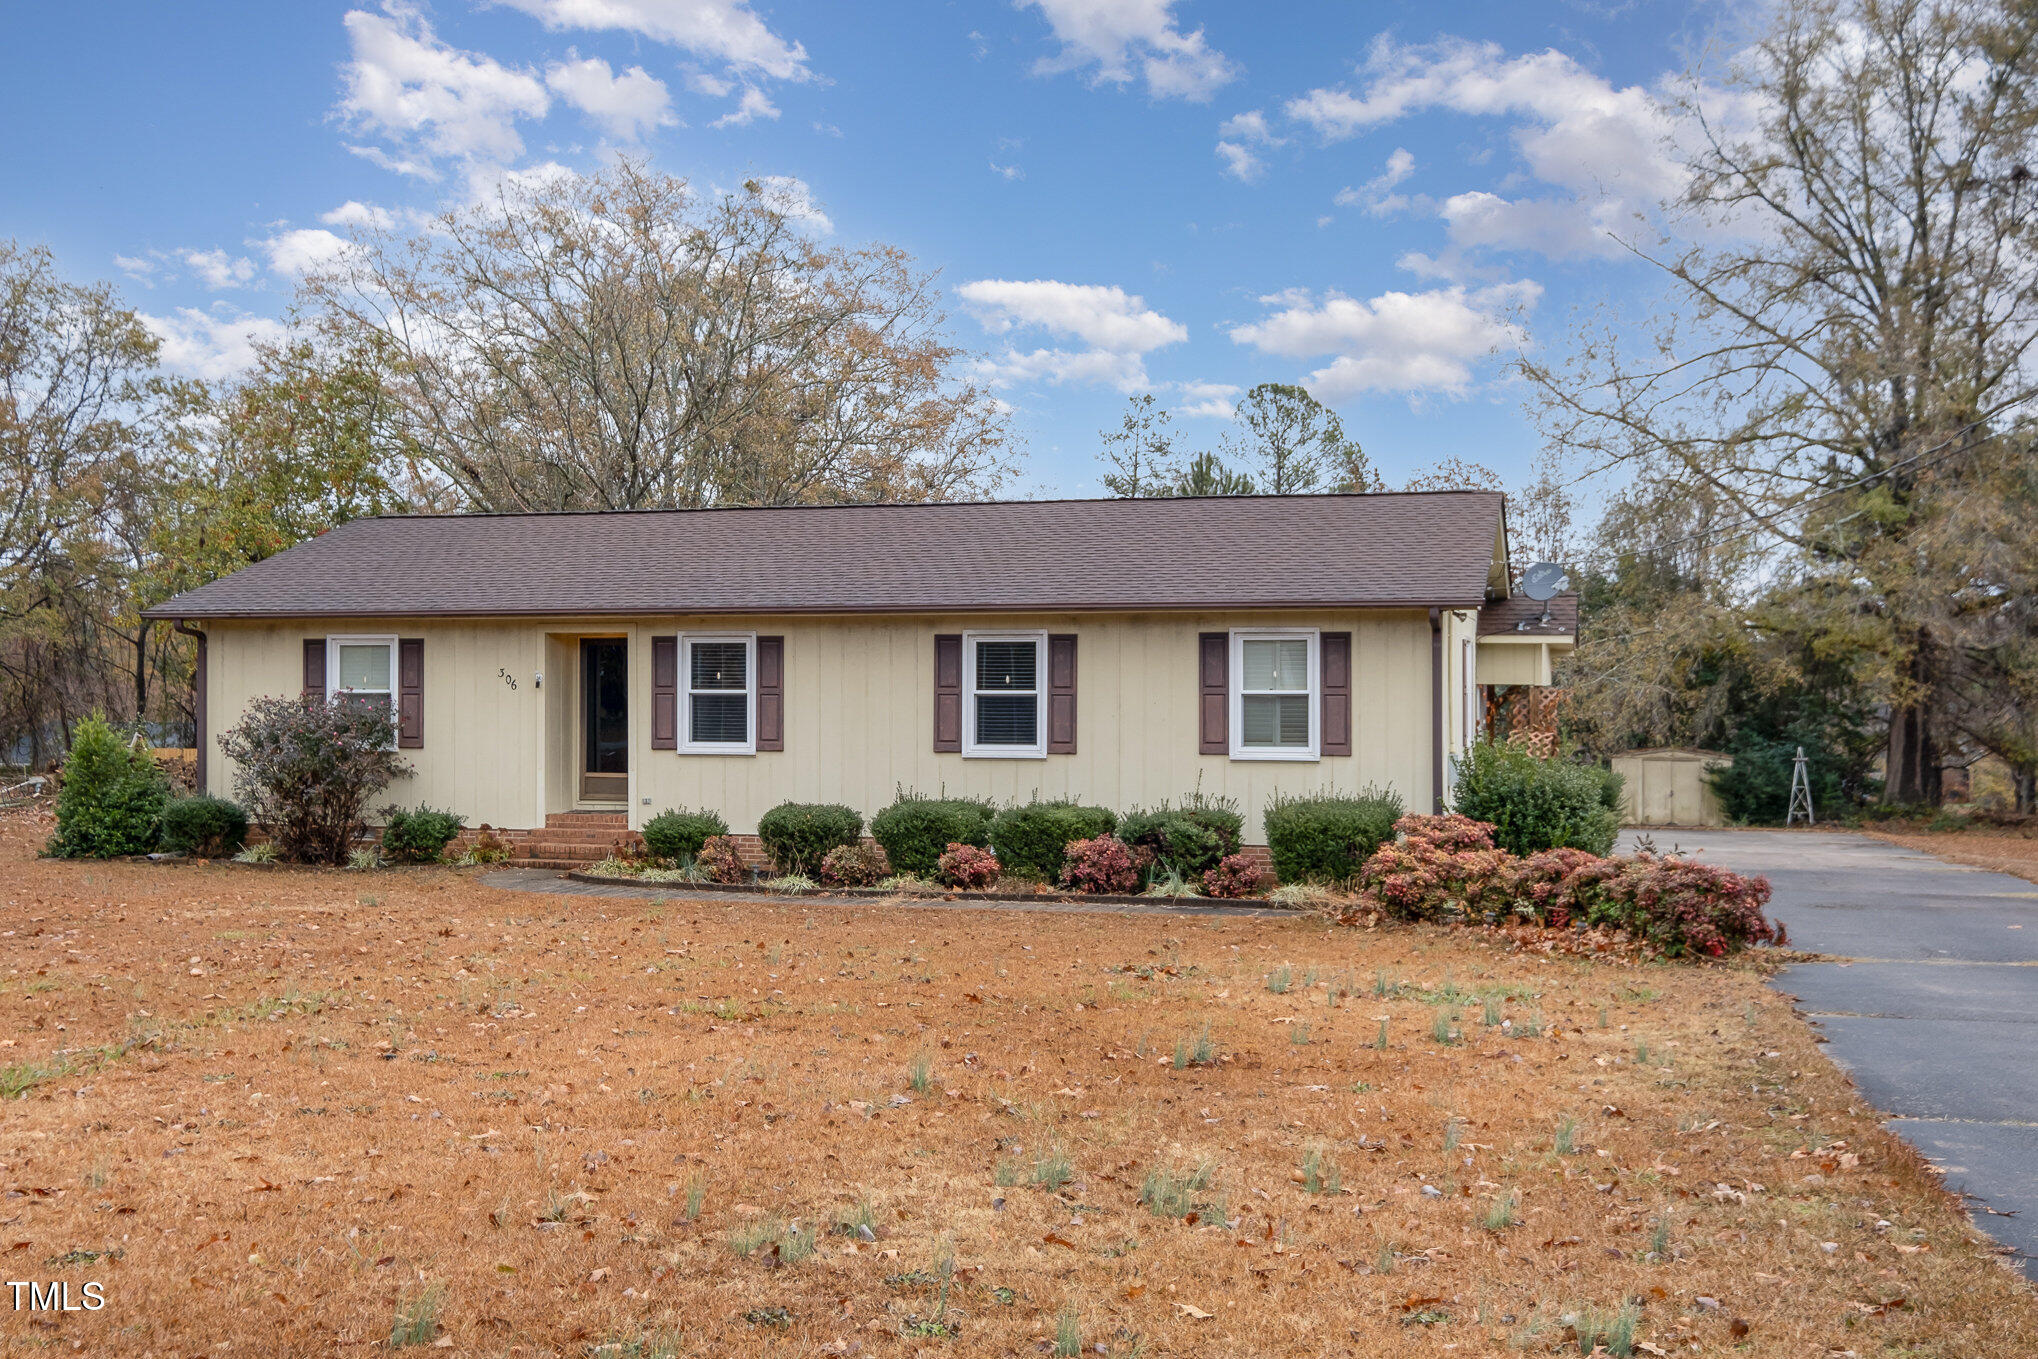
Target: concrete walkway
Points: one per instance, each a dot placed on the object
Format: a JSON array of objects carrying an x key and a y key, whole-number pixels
[{"x": 1931, "y": 1003}]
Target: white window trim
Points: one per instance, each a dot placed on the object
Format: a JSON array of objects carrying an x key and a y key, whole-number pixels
[
  {"x": 689, "y": 746},
  {"x": 333, "y": 645},
  {"x": 970, "y": 748},
  {"x": 1239, "y": 749}
]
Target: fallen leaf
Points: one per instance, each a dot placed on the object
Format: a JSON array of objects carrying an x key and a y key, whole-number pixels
[{"x": 1194, "y": 1313}]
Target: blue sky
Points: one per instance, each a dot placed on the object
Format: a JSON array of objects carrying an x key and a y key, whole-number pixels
[{"x": 1384, "y": 202}]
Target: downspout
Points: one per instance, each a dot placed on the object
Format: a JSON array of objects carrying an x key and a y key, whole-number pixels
[
  {"x": 198, "y": 693},
  {"x": 1436, "y": 708}
]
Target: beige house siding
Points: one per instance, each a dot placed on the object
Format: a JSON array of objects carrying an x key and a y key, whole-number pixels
[{"x": 859, "y": 712}]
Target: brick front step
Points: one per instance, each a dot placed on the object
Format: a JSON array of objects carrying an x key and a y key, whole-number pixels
[
  {"x": 587, "y": 820},
  {"x": 546, "y": 849}
]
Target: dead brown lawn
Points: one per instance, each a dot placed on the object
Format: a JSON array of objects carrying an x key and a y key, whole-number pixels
[
  {"x": 2006, "y": 851},
  {"x": 287, "y": 1103}
]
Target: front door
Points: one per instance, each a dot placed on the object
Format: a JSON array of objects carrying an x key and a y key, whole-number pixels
[{"x": 605, "y": 731}]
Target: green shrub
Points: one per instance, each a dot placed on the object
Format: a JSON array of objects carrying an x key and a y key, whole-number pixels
[
  {"x": 1755, "y": 789},
  {"x": 1032, "y": 840},
  {"x": 305, "y": 769},
  {"x": 677, "y": 836},
  {"x": 112, "y": 799},
  {"x": 1327, "y": 837},
  {"x": 916, "y": 830},
  {"x": 798, "y": 835},
  {"x": 420, "y": 836},
  {"x": 1536, "y": 804},
  {"x": 205, "y": 826},
  {"x": 1191, "y": 838}
]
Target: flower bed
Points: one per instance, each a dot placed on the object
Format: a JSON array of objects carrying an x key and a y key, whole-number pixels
[{"x": 1446, "y": 868}]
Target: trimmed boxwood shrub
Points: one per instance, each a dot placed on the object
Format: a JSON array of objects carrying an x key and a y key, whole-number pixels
[
  {"x": 1536, "y": 804},
  {"x": 798, "y": 835},
  {"x": 1190, "y": 838},
  {"x": 1327, "y": 837},
  {"x": 112, "y": 799},
  {"x": 205, "y": 826},
  {"x": 1032, "y": 840},
  {"x": 916, "y": 830},
  {"x": 676, "y": 836},
  {"x": 420, "y": 835}
]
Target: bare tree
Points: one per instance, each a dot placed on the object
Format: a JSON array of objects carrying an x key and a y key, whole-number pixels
[
  {"x": 1856, "y": 305},
  {"x": 1289, "y": 442},
  {"x": 615, "y": 341}
]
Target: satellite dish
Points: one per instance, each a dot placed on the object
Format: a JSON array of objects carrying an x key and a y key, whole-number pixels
[{"x": 1545, "y": 581}]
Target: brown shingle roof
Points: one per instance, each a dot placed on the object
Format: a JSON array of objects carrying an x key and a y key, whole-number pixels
[
  {"x": 1509, "y": 615},
  {"x": 1226, "y": 551}
]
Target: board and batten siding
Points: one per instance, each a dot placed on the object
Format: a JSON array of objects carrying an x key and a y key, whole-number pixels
[
  {"x": 859, "y": 713},
  {"x": 482, "y": 755}
]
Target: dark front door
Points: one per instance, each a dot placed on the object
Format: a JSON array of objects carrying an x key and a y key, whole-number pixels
[{"x": 605, "y": 706}]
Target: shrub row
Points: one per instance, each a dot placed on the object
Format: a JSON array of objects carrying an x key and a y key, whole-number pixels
[{"x": 1448, "y": 867}]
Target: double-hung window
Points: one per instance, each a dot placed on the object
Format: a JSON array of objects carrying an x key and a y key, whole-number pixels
[
  {"x": 1004, "y": 710},
  {"x": 719, "y": 689},
  {"x": 1276, "y": 695},
  {"x": 362, "y": 670}
]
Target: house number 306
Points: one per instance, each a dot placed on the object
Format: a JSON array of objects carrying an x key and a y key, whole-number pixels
[{"x": 508, "y": 678}]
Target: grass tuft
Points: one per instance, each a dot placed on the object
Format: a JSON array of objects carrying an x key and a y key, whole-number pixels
[
  {"x": 1198, "y": 1051},
  {"x": 1502, "y": 1214},
  {"x": 417, "y": 1318},
  {"x": 1281, "y": 980},
  {"x": 1172, "y": 1193},
  {"x": 1320, "y": 1174},
  {"x": 1068, "y": 1333}
]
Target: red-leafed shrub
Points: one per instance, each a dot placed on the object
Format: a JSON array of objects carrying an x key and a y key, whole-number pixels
[
  {"x": 857, "y": 865},
  {"x": 1546, "y": 886},
  {"x": 1418, "y": 879},
  {"x": 1236, "y": 875},
  {"x": 1678, "y": 906},
  {"x": 970, "y": 867},
  {"x": 720, "y": 861},
  {"x": 1103, "y": 864},
  {"x": 1446, "y": 831}
]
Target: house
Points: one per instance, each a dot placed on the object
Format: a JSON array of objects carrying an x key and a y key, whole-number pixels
[{"x": 551, "y": 670}]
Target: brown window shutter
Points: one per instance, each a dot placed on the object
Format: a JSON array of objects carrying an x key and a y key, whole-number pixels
[
  {"x": 410, "y": 693},
  {"x": 1061, "y": 693},
  {"x": 1214, "y": 710},
  {"x": 665, "y": 693},
  {"x": 315, "y": 666},
  {"x": 948, "y": 691},
  {"x": 771, "y": 693},
  {"x": 1335, "y": 660}
]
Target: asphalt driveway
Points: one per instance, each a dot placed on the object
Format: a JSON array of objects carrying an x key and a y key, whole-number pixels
[{"x": 1931, "y": 1003}]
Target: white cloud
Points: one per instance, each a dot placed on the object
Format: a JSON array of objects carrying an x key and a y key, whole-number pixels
[
  {"x": 624, "y": 106},
  {"x": 1603, "y": 145},
  {"x": 794, "y": 199},
  {"x": 354, "y": 213},
  {"x": 1008, "y": 171},
  {"x": 754, "y": 104},
  {"x": 1118, "y": 328},
  {"x": 139, "y": 268},
  {"x": 1398, "y": 342},
  {"x": 719, "y": 30},
  {"x": 1208, "y": 400},
  {"x": 305, "y": 249},
  {"x": 1555, "y": 227},
  {"x": 1134, "y": 39},
  {"x": 1236, "y": 139},
  {"x": 216, "y": 269},
  {"x": 211, "y": 345},
  {"x": 1377, "y": 194},
  {"x": 709, "y": 84},
  {"x": 429, "y": 99}
]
